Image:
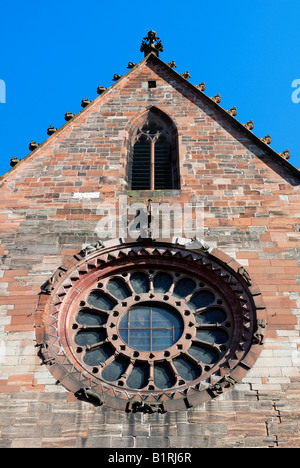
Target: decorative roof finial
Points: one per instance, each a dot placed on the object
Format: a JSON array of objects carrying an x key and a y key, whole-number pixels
[
  {"x": 151, "y": 43},
  {"x": 285, "y": 154},
  {"x": 14, "y": 161}
]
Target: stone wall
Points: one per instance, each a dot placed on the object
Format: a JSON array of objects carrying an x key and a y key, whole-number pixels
[
  {"x": 50, "y": 209},
  {"x": 243, "y": 419}
]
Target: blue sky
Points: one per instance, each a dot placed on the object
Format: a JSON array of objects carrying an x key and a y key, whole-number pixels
[{"x": 56, "y": 53}]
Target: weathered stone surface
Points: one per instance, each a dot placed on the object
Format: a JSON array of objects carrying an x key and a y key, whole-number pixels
[{"x": 251, "y": 212}]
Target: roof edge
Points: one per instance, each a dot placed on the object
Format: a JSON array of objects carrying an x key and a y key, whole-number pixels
[
  {"x": 48, "y": 140},
  {"x": 151, "y": 56},
  {"x": 230, "y": 118}
]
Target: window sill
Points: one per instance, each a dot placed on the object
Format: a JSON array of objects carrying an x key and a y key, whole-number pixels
[{"x": 153, "y": 193}]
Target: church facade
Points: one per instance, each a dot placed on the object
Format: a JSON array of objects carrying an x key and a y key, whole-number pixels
[{"x": 150, "y": 276}]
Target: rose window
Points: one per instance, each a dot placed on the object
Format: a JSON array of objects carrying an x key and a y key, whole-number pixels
[
  {"x": 161, "y": 328},
  {"x": 151, "y": 329}
]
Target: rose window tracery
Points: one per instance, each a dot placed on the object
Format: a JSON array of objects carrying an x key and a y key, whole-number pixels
[{"x": 161, "y": 327}]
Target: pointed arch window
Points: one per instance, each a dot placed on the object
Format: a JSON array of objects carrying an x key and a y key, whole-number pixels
[{"x": 154, "y": 155}]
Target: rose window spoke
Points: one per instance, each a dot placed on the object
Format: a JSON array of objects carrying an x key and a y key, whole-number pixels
[{"x": 148, "y": 329}]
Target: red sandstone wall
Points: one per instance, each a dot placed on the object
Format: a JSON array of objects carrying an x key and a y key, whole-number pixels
[{"x": 251, "y": 206}]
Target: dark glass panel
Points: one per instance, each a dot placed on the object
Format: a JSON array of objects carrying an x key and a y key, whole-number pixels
[
  {"x": 201, "y": 299},
  {"x": 140, "y": 172},
  {"x": 162, "y": 283},
  {"x": 139, "y": 376},
  {"x": 163, "y": 376},
  {"x": 89, "y": 337},
  {"x": 118, "y": 288},
  {"x": 203, "y": 354},
  {"x": 184, "y": 288},
  {"x": 211, "y": 316},
  {"x": 86, "y": 317},
  {"x": 115, "y": 370},
  {"x": 140, "y": 282},
  {"x": 99, "y": 300},
  {"x": 95, "y": 356},
  {"x": 186, "y": 368},
  {"x": 163, "y": 165},
  {"x": 212, "y": 336}
]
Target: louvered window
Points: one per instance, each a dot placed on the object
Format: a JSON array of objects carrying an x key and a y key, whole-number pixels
[{"x": 154, "y": 164}]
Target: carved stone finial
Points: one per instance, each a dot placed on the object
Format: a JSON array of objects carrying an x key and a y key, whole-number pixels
[
  {"x": 285, "y": 154},
  {"x": 172, "y": 64},
  {"x": 100, "y": 89},
  {"x": 131, "y": 65},
  {"x": 69, "y": 116},
  {"x": 216, "y": 98},
  {"x": 151, "y": 43},
  {"x": 85, "y": 102},
  {"x": 33, "y": 145},
  {"x": 249, "y": 125},
  {"x": 116, "y": 77},
  {"x": 267, "y": 139},
  {"x": 201, "y": 86},
  {"x": 185, "y": 75},
  {"x": 14, "y": 161},
  {"x": 51, "y": 130},
  {"x": 232, "y": 111}
]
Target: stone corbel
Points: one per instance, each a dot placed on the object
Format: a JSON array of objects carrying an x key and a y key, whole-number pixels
[
  {"x": 258, "y": 337},
  {"x": 90, "y": 395},
  {"x": 197, "y": 243},
  {"x": 48, "y": 287},
  {"x": 246, "y": 276},
  {"x": 48, "y": 359},
  {"x": 144, "y": 407},
  {"x": 225, "y": 384},
  {"x": 91, "y": 248}
]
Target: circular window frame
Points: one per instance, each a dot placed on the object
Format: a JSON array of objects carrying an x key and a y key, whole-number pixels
[
  {"x": 151, "y": 330},
  {"x": 72, "y": 283}
]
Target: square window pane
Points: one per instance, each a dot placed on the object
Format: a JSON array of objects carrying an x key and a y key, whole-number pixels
[
  {"x": 139, "y": 339},
  {"x": 139, "y": 317},
  {"x": 177, "y": 334},
  {"x": 161, "y": 318},
  {"x": 124, "y": 335},
  {"x": 161, "y": 339}
]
